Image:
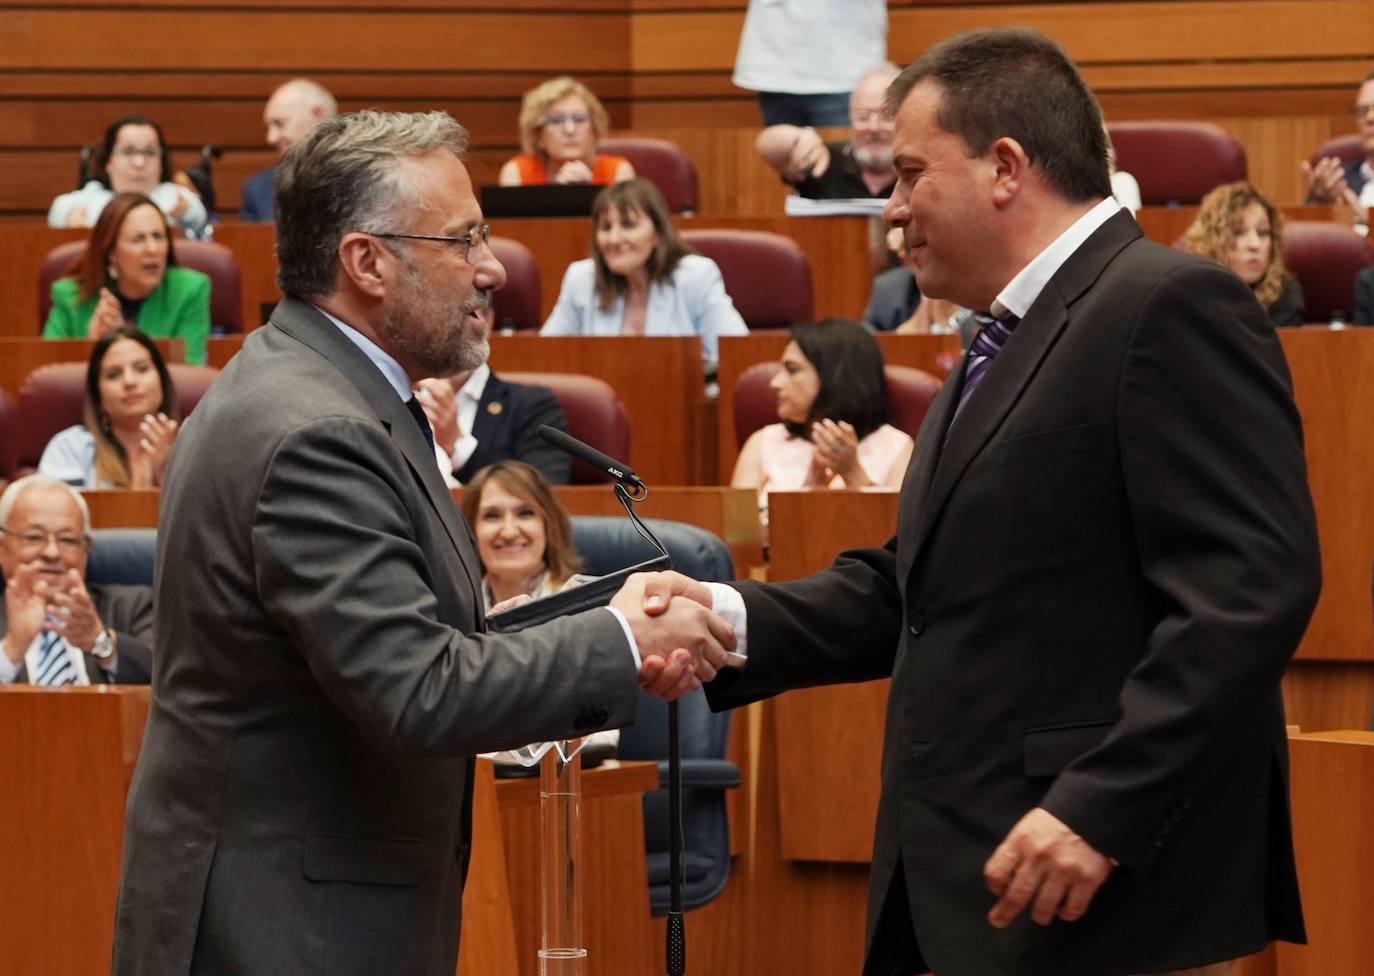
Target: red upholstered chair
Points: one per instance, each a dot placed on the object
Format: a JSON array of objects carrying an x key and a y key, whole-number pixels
[
  {"x": 1325, "y": 258},
  {"x": 1177, "y": 162},
  {"x": 767, "y": 276},
  {"x": 1345, "y": 148},
  {"x": 51, "y": 397},
  {"x": 215, "y": 260},
  {"x": 663, "y": 164},
  {"x": 517, "y": 303},
  {"x": 910, "y": 393},
  {"x": 6, "y": 437},
  {"x": 595, "y": 415}
]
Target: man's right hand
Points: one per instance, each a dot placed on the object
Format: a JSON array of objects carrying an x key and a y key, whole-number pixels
[
  {"x": 26, "y": 607},
  {"x": 681, "y": 642},
  {"x": 1326, "y": 180},
  {"x": 809, "y": 157}
]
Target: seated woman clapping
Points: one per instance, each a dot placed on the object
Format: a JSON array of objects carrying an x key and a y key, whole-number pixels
[
  {"x": 561, "y": 122},
  {"x": 642, "y": 277},
  {"x": 130, "y": 418},
  {"x": 832, "y": 428},
  {"x": 132, "y": 158},
  {"x": 129, "y": 274}
]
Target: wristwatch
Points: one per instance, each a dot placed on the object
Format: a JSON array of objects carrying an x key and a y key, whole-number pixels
[{"x": 104, "y": 647}]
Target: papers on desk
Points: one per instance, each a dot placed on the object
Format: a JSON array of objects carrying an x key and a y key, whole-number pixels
[{"x": 795, "y": 206}]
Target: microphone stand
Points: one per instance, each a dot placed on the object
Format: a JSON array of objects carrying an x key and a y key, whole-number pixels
[{"x": 675, "y": 935}]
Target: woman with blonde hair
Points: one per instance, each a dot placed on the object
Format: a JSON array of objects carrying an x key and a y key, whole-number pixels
[
  {"x": 1237, "y": 227},
  {"x": 561, "y": 122}
]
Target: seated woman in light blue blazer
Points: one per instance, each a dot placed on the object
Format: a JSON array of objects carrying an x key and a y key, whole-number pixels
[{"x": 642, "y": 278}]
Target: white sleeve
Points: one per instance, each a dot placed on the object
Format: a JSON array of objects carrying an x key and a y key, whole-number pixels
[
  {"x": 729, "y": 606},
  {"x": 70, "y": 457},
  {"x": 713, "y": 313}
]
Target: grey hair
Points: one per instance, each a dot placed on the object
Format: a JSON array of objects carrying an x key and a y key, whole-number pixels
[
  {"x": 10, "y": 497},
  {"x": 312, "y": 93},
  {"x": 345, "y": 176},
  {"x": 879, "y": 69}
]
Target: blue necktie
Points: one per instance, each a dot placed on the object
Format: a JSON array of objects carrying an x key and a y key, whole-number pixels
[{"x": 54, "y": 663}]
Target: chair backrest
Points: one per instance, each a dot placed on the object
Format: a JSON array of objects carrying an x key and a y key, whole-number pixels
[
  {"x": 516, "y": 304},
  {"x": 766, "y": 275},
  {"x": 1346, "y": 148},
  {"x": 608, "y": 543},
  {"x": 7, "y": 466},
  {"x": 1177, "y": 162},
  {"x": 910, "y": 393},
  {"x": 124, "y": 556},
  {"x": 214, "y": 260},
  {"x": 595, "y": 415},
  {"x": 1325, "y": 258},
  {"x": 663, "y": 164},
  {"x": 51, "y": 398}
]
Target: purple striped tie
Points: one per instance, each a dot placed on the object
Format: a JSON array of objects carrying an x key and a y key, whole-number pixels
[
  {"x": 54, "y": 664},
  {"x": 986, "y": 344}
]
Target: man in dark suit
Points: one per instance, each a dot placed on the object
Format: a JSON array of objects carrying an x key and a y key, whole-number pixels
[
  {"x": 302, "y": 800},
  {"x": 479, "y": 419},
  {"x": 54, "y": 630},
  {"x": 293, "y": 109},
  {"x": 1364, "y": 297},
  {"x": 1332, "y": 181},
  {"x": 1105, "y": 555}
]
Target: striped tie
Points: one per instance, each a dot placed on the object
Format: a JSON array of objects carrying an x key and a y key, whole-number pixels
[
  {"x": 54, "y": 663},
  {"x": 986, "y": 345}
]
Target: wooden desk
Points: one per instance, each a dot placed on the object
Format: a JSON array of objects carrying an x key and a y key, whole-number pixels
[
  {"x": 620, "y": 934},
  {"x": 935, "y": 354},
  {"x": 70, "y": 756},
  {"x": 659, "y": 379},
  {"x": 1332, "y": 777},
  {"x": 731, "y": 513},
  {"x": 21, "y": 355},
  {"x": 123, "y": 508}
]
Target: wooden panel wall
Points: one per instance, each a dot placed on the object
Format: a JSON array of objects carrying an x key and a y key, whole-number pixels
[{"x": 1279, "y": 73}]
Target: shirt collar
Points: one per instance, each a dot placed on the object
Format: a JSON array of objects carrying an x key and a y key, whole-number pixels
[
  {"x": 389, "y": 368},
  {"x": 476, "y": 383},
  {"x": 1022, "y": 291}
]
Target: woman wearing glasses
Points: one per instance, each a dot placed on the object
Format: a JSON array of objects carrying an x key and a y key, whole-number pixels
[
  {"x": 130, "y": 418},
  {"x": 643, "y": 278},
  {"x": 561, "y": 122},
  {"x": 132, "y": 158},
  {"x": 128, "y": 273}
]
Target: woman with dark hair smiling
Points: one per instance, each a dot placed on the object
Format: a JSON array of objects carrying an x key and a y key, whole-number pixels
[
  {"x": 130, "y": 418},
  {"x": 132, "y": 158},
  {"x": 128, "y": 273},
  {"x": 832, "y": 412},
  {"x": 642, "y": 277}
]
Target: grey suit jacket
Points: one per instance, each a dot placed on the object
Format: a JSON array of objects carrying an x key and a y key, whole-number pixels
[
  {"x": 128, "y": 612},
  {"x": 302, "y": 800}
]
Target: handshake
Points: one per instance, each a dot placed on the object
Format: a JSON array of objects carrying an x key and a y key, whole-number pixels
[{"x": 681, "y": 641}]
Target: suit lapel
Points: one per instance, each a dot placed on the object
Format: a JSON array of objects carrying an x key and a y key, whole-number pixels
[
  {"x": 309, "y": 326},
  {"x": 942, "y": 460},
  {"x": 486, "y": 422}
]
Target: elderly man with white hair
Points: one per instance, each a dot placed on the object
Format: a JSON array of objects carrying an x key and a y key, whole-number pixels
[{"x": 54, "y": 629}]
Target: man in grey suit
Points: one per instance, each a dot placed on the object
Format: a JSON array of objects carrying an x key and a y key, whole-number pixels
[
  {"x": 54, "y": 630},
  {"x": 302, "y": 801}
]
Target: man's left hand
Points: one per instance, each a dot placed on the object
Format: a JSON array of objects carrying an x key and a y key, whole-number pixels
[
  {"x": 73, "y": 614},
  {"x": 1044, "y": 864}
]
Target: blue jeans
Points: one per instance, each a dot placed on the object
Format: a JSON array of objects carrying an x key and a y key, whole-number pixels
[{"x": 821, "y": 111}]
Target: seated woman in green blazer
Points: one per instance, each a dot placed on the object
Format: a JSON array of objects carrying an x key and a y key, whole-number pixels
[{"x": 129, "y": 274}]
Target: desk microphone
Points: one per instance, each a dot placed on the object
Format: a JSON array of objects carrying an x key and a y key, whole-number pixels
[{"x": 618, "y": 470}]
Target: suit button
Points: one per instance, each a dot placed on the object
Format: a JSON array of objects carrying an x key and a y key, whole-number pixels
[{"x": 917, "y": 626}]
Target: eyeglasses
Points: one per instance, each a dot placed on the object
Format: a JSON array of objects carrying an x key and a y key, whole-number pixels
[
  {"x": 34, "y": 541},
  {"x": 482, "y": 236},
  {"x": 132, "y": 152},
  {"x": 560, "y": 119}
]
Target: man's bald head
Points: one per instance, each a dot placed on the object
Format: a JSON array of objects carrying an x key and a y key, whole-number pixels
[{"x": 294, "y": 109}]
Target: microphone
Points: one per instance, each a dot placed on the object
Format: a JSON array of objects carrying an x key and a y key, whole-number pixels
[{"x": 618, "y": 470}]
